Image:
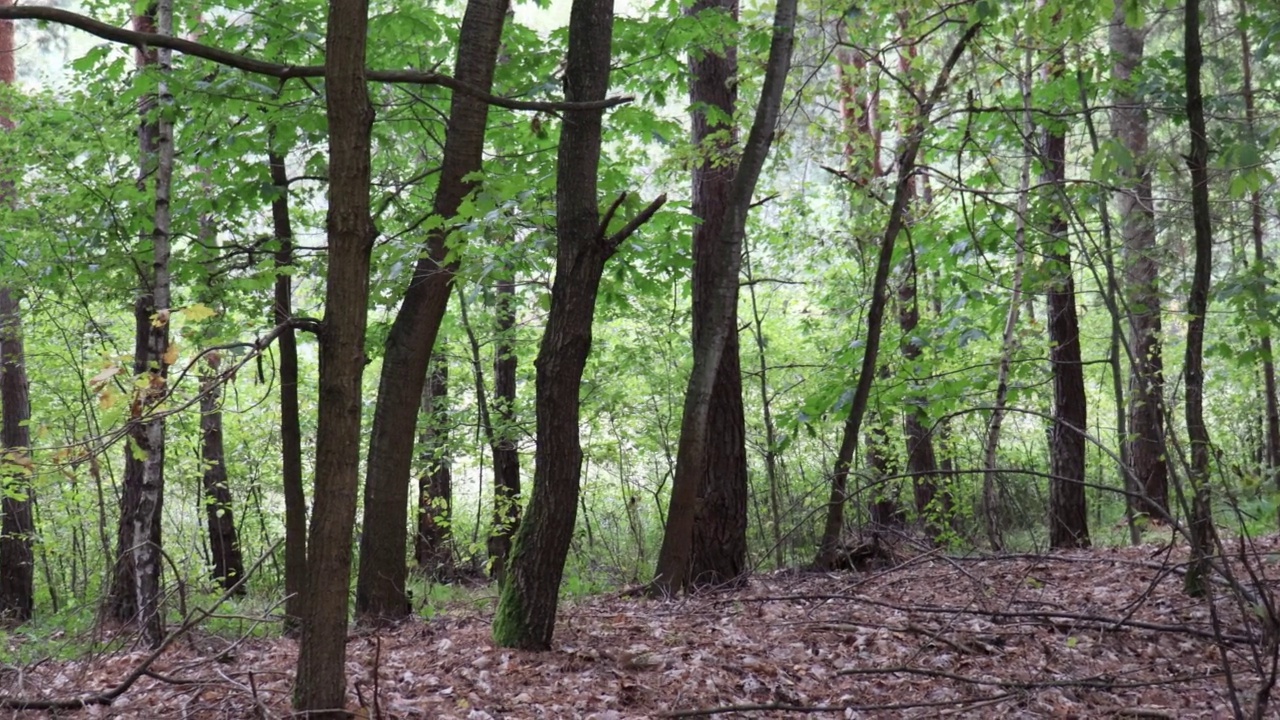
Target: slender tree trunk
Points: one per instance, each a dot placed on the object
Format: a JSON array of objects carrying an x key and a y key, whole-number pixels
[
  {"x": 1257, "y": 224},
  {"x": 829, "y": 545},
  {"x": 719, "y": 544},
  {"x": 224, "y": 543},
  {"x": 295, "y": 499},
  {"x": 320, "y": 687},
  {"x": 527, "y": 606},
  {"x": 991, "y": 505},
  {"x": 1146, "y": 449},
  {"x": 502, "y": 438},
  {"x": 1068, "y": 519},
  {"x": 135, "y": 594},
  {"x": 16, "y": 559},
  {"x": 380, "y": 587},
  {"x": 1201, "y": 520},
  {"x": 675, "y": 559},
  {"x": 766, "y": 404},
  {"x": 433, "y": 544}
]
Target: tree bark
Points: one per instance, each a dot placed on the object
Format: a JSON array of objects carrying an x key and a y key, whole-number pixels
[
  {"x": 502, "y": 432},
  {"x": 1068, "y": 520},
  {"x": 295, "y": 499},
  {"x": 432, "y": 546},
  {"x": 527, "y": 605},
  {"x": 135, "y": 594},
  {"x": 380, "y": 587},
  {"x": 719, "y": 317},
  {"x": 1201, "y": 520},
  {"x": 224, "y": 543},
  {"x": 1146, "y": 448},
  {"x": 829, "y": 545},
  {"x": 17, "y": 590},
  {"x": 320, "y": 688},
  {"x": 719, "y": 543}
]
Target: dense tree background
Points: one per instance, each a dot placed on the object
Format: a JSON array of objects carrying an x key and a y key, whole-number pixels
[{"x": 1005, "y": 281}]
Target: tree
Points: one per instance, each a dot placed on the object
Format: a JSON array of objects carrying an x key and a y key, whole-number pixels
[
  {"x": 135, "y": 591},
  {"x": 380, "y": 587},
  {"x": 506, "y": 460},
  {"x": 17, "y": 595},
  {"x": 320, "y": 688},
  {"x": 432, "y": 547},
  {"x": 527, "y": 605},
  {"x": 718, "y": 319},
  {"x": 719, "y": 541},
  {"x": 1146, "y": 448},
  {"x": 224, "y": 542},
  {"x": 1068, "y": 522}
]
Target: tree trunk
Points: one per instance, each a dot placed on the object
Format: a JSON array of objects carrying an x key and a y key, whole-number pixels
[
  {"x": 502, "y": 432},
  {"x": 829, "y": 545},
  {"x": 1068, "y": 521},
  {"x": 1146, "y": 448},
  {"x": 719, "y": 318},
  {"x": 16, "y": 559},
  {"x": 135, "y": 594},
  {"x": 320, "y": 688},
  {"x": 527, "y": 606},
  {"x": 719, "y": 543},
  {"x": 1201, "y": 519},
  {"x": 1257, "y": 223},
  {"x": 380, "y": 587},
  {"x": 224, "y": 544},
  {"x": 295, "y": 498},
  {"x": 432, "y": 546}
]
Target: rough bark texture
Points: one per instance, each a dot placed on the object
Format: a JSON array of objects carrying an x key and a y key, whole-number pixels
[
  {"x": 320, "y": 689},
  {"x": 1146, "y": 450},
  {"x": 1068, "y": 521},
  {"x": 295, "y": 499},
  {"x": 1201, "y": 519},
  {"x": 719, "y": 317},
  {"x": 829, "y": 546},
  {"x": 432, "y": 547},
  {"x": 719, "y": 553},
  {"x": 502, "y": 430},
  {"x": 16, "y": 560},
  {"x": 380, "y": 587},
  {"x": 224, "y": 544},
  {"x": 527, "y": 607},
  {"x": 135, "y": 594}
]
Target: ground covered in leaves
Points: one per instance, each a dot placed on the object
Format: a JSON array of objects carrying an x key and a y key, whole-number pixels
[{"x": 1103, "y": 633}]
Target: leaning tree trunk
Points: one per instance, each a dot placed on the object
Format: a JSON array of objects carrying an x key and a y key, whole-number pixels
[
  {"x": 527, "y": 606},
  {"x": 16, "y": 559},
  {"x": 432, "y": 545},
  {"x": 295, "y": 499},
  {"x": 1201, "y": 520},
  {"x": 224, "y": 543},
  {"x": 380, "y": 586},
  {"x": 1068, "y": 521},
  {"x": 320, "y": 687},
  {"x": 1257, "y": 225},
  {"x": 829, "y": 545},
  {"x": 135, "y": 592},
  {"x": 719, "y": 316},
  {"x": 719, "y": 542},
  {"x": 1146, "y": 448}
]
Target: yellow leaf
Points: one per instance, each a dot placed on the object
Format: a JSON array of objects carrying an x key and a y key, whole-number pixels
[
  {"x": 198, "y": 312},
  {"x": 161, "y": 318},
  {"x": 107, "y": 398},
  {"x": 171, "y": 354},
  {"x": 101, "y": 378}
]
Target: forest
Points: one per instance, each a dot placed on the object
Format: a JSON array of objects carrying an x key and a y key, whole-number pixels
[{"x": 677, "y": 358}]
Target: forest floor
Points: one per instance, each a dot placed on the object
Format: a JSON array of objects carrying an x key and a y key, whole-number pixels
[{"x": 1105, "y": 633}]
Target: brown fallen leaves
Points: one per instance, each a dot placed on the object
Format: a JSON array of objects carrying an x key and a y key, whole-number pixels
[{"x": 1091, "y": 634}]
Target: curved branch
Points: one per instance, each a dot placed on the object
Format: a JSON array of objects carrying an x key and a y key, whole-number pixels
[{"x": 284, "y": 72}]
